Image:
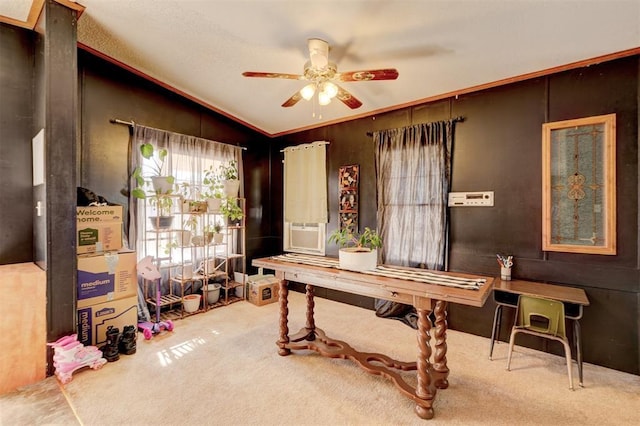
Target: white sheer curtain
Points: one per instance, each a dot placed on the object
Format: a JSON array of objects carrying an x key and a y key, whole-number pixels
[
  {"x": 305, "y": 183},
  {"x": 413, "y": 168},
  {"x": 188, "y": 157}
]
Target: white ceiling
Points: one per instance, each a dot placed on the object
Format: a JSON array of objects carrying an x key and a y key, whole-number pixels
[{"x": 202, "y": 47}]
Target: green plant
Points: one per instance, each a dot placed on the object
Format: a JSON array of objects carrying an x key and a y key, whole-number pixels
[
  {"x": 170, "y": 246},
  {"x": 157, "y": 157},
  {"x": 161, "y": 204},
  {"x": 192, "y": 223},
  {"x": 228, "y": 171},
  {"x": 369, "y": 238},
  {"x": 217, "y": 227},
  {"x": 231, "y": 210},
  {"x": 212, "y": 183}
]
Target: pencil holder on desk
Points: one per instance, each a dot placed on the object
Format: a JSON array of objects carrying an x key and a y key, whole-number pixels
[{"x": 505, "y": 273}]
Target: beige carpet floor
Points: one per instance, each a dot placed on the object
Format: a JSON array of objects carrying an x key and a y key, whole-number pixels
[{"x": 222, "y": 367}]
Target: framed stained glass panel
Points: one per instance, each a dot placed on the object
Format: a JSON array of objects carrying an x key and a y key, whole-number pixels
[{"x": 579, "y": 185}]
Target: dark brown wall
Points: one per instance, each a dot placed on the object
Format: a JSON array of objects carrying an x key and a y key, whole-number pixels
[
  {"x": 16, "y": 117},
  {"x": 498, "y": 148}
]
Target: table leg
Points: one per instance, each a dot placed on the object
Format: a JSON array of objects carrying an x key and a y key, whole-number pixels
[
  {"x": 495, "y": 331},
  {"x": 284, "y": 313},
  {"x": 311, "y": 325},
  {"x": 423, "y": 367},
  {"x": 440, "y": 353}
]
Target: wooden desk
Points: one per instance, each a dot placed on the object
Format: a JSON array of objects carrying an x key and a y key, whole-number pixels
[
  {"x": 506, "y": 293},
  {"x": 424, "y": 297}
]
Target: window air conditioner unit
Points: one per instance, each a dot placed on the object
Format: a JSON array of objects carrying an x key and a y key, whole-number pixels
[{"x": 304, "y": 238}]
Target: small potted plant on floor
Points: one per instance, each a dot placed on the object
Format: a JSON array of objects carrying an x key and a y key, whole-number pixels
[{"x": 358, "y": 251}]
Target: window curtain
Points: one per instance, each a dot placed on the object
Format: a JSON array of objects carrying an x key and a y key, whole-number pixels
[
  {"x": 305, "y": 183},
  {"x": 188, "y": 157},
  {"x": 413, "y": 175}
]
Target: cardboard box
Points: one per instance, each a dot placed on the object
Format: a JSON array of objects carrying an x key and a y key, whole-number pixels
[
  {"x": 93, "y": 215},
  {"x": 98, "y": 229},
  {"x": 106, "y": 277},
  {"x": 262, "y": 289},
  {"x": 94, "y": 320},
  {"x": 99, "y": 237}
]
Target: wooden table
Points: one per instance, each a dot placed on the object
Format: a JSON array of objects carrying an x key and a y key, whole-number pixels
[
  {"x": 424, "y": 297},
  {"x": 506, "y": 293}
]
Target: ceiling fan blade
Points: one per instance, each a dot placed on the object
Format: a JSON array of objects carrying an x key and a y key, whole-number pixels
[
  {"x": 348, "y": 99},
  {"x": 273, "y": 75},
  {"x": 367, "y": 75},
  {"x": 292, "y": 100}
]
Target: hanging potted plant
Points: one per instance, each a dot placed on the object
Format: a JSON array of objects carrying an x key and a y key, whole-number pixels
[
  {"x": 161, "y": 184},
  {"x": 358, "y": 252},
  {"x": 213, "y": 189},
  {"x": 228, "y": 175}
]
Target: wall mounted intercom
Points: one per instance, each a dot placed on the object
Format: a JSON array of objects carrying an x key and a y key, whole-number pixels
[{"x": 471, "y": 199}]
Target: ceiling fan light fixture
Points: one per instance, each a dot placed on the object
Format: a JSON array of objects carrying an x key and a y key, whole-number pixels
[
  {"x": 308, "y": 91},
  {"x": 330, "y": 89},
  {"x": 323, "y": 98}
]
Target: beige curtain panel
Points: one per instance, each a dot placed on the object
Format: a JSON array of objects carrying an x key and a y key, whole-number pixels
[{"x": 305, "y": 183}]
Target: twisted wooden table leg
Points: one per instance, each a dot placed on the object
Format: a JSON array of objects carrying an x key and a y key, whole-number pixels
[
  {"x": 284, "y": 313},
  {"x": 440, "y": 352},
  {"x": 423, "y": 367},
  {"x": 311, "y": 325}
]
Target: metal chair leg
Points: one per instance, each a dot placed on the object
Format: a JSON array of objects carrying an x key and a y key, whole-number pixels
[
  {"x": 578, "y": 343},
  {"x": 495, "y": 331}
]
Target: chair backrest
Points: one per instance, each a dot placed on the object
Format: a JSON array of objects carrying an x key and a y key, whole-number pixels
[{"x": 551, "y": 310}]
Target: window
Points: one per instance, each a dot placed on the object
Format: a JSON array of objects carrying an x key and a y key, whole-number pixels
[{"x": 305, "y": 198}]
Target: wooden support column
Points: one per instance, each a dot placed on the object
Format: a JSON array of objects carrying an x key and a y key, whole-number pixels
[{"x": 56, "y": 115}]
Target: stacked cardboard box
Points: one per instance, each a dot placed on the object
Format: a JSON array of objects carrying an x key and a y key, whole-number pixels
[
  {"x": 98, "y": 229},
  {"x": 107, "y": 278}
]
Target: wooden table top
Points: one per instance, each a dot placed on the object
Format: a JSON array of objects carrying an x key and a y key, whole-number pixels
[
  {"x": 550, "y": 291},
  {"x": 389, "y": 288}
]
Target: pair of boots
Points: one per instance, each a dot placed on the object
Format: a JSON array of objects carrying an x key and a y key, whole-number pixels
[{"x": 117, "y": 343}]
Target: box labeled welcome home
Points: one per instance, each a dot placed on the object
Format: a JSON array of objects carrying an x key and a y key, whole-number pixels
[
  {"x": 106, "y": 277},
  {"x": 98, "y": 229},
  {"x": 262, "y": 289},
  {"x": 94, "y": 320}
]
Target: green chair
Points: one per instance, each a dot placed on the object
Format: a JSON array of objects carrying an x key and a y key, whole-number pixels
[{"x": 543, "y": 318}]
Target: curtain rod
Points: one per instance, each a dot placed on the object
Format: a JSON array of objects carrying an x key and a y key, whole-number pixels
[
  {"x": 131, "y": 124},
  {"x": 455, "y": 120}
]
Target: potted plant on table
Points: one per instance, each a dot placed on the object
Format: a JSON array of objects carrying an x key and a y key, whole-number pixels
[{"x": 358, "y": 251}]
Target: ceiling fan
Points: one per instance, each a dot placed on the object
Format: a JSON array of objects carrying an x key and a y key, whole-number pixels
[{"x": 323, "y": 74}]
